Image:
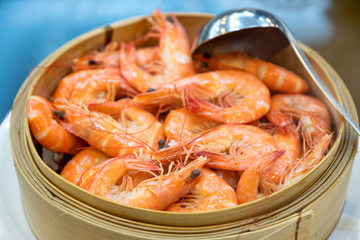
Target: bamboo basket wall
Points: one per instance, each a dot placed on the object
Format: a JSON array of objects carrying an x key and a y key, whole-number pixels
[{"x": 56, "y": 209}]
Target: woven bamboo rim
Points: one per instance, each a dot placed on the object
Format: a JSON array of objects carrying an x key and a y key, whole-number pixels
[{"x": 282, "y": 210}]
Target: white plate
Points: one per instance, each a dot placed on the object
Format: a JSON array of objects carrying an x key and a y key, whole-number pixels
[
  {"x": 14, "y": 226},
  {"x": 13, "y": 223}
]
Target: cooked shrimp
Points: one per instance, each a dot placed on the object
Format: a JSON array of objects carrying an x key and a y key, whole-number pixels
[
  {"x": 229, "y": 147},
  {"x": 138, "y": 132},
  {"x": 181, "y": 124},
  {"x": 160, "y": 192},
  {"x": 88, "y": 86},
  {"x": 275, "y": 77},
  {"x": 309, "y": 160},
  {"x": 211, "y": 192},
  {"x": 112, "y": 108},
  {"x": 312, "y": 116},
  {"x": 86, "y": 158},
  {"x": 240, "y": 97},
  {"x": 231, "y": 177},
  {"x": 108, "y": 57},
  {"x": 247, "y": 188},
  {"x": 103, "y": 57},
  {"x": 102, "y": 177},
  {"x": 174, "y": 52},
  {"x": 117, "y": 108},
  {"x": 47, "y": 131},
  {"x": 275, "y": 175}
]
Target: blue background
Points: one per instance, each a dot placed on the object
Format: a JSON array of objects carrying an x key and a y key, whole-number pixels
[{"x": 31, "y": 30}]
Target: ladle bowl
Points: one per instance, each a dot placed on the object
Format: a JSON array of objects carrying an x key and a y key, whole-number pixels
[{"x": 263, "y": 35}]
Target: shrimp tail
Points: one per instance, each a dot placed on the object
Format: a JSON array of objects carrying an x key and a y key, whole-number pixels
[
  {"x": 204, "y": 108},
  {"x": 280, "y": 119},
  {"x": 271, "y": 158}
]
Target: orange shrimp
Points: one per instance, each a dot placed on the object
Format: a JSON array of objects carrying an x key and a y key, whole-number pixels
[
  {"x": 290, "y": 142},
  {"x": 87, "y": 86},
  {"x": 174, "y": 52},
  {"x": 229, "y": 147},
  {"x": 102, "y": 177},
  {"x": 275, "y": 77},
  {"x": 181, "y": 124},
  {"x": 46, "y": 129},
  {"x": 108, "y": 57},
  {"x": 103, "y": 57},
  {"x": 160, "y": 192},
  {"x": 117, "y": 108},
  {"x": 240, "y": 97},
  {"x": 231, "y": 177},
  {"x": 138, "y": 132},
  {"x": 309, "y": 160},
  {"x": 211, "y": 192},
  {"x": 312, "y": 116},
  {"x": 247, "y": 188},
  {"x": 86, "y": 158}
]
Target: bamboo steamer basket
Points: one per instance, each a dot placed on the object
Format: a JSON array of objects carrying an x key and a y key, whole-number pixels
[{"x": 307, "y": 209}]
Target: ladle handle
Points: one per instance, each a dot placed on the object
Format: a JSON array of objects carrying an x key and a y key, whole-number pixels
[{"x": 323, "y": 88}]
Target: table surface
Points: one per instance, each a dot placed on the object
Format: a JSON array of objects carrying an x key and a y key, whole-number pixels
[{"x": 31, "y": 29}]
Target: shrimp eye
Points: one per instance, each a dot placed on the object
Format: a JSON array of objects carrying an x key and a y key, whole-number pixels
[
  {"x": 59, "y": 114},
  {"x": 161, "y": 143},
  {"x": 206, "y": 55},
  {"x": 169, "y": 19},
  {"x": 195, "y": 173},
  {"x": 150, "y": 90},
  {"x": 92, "y": 62}
]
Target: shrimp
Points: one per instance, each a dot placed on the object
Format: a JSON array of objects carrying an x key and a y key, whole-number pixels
[
  {"x": 247, "y": 188},
  {"x": 88, "y": 86},
  {"x": 229, "y": 147},
  {"x": 275, "y": 77},
  {"x": 46, "y": 129},
  {"x": 174, "y": 52},
  {"x": 103, "y": 57},
  {"x": 211, "y": 192},
  {"x": 117, "y": 108},
  {"x": 290, "y": 142},
  {"x": 312, "y": 116},
  {"x": 181, "y": 124},
  {"x": 160, "y": 192},
  {"x": 86, "y": 158},
  {"x": 138, "y": 132},
  {"x": 309, "y": 160},
  {"x": 108, "y": 57},
  {"x": 102, "y": 177},
  {"x": 241, "y": 97}
]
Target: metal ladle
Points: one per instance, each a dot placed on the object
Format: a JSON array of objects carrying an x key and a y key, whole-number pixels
[{"x": 261, "y": 34}]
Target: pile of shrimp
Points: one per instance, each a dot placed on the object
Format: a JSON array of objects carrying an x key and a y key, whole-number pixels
[{"x": 151, "y": 126}]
